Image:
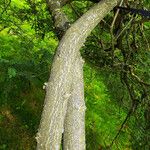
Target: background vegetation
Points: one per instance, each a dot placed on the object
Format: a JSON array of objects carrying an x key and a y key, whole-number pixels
[{"x": 116, "y": 74}]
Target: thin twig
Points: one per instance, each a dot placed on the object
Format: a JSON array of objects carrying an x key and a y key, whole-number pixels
[
  {"x": 132, "y": 108},
  {"x": 124, "y": 28},
  {"x": 112, "y": 34},
  {"x": 137, "y": 78},
  {"x": 142, "y": 32}
]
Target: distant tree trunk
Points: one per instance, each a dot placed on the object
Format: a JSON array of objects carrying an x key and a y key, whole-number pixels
[{"x": 60, "y": 84}]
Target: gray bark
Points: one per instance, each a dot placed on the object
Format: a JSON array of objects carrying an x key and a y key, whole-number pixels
[
  {"x": 74, "y": 127},
  {"x": 59, "y": 84},
  {"x": 61, "y": 21}
]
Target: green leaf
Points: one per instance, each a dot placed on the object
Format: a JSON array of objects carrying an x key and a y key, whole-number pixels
[{"x": 12, "y": 72}]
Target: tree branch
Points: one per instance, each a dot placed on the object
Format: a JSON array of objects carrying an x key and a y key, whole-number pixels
[{"x": 61, "y": 22}]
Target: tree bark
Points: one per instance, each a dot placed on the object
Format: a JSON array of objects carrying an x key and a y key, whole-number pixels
[
  {"x": 74, "y": 127},
  {"x": 59, "y": 84},
  {"x": 61, "y": 21}
]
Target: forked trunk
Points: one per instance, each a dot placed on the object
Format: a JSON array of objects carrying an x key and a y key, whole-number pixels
[{"x": 59, "y": 84}]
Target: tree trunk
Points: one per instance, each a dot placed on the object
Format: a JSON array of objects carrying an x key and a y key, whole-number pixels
[
  {"x": 74, "y": 127},
  {"x": 59, "y": 84},
  {"x": 73, "y": 137}
]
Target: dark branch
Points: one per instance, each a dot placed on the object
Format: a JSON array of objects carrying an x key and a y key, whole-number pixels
[{"x": 142, "y": 12}]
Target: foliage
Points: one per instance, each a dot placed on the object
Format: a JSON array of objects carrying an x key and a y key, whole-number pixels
[{"x": 101, "y": 127}]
